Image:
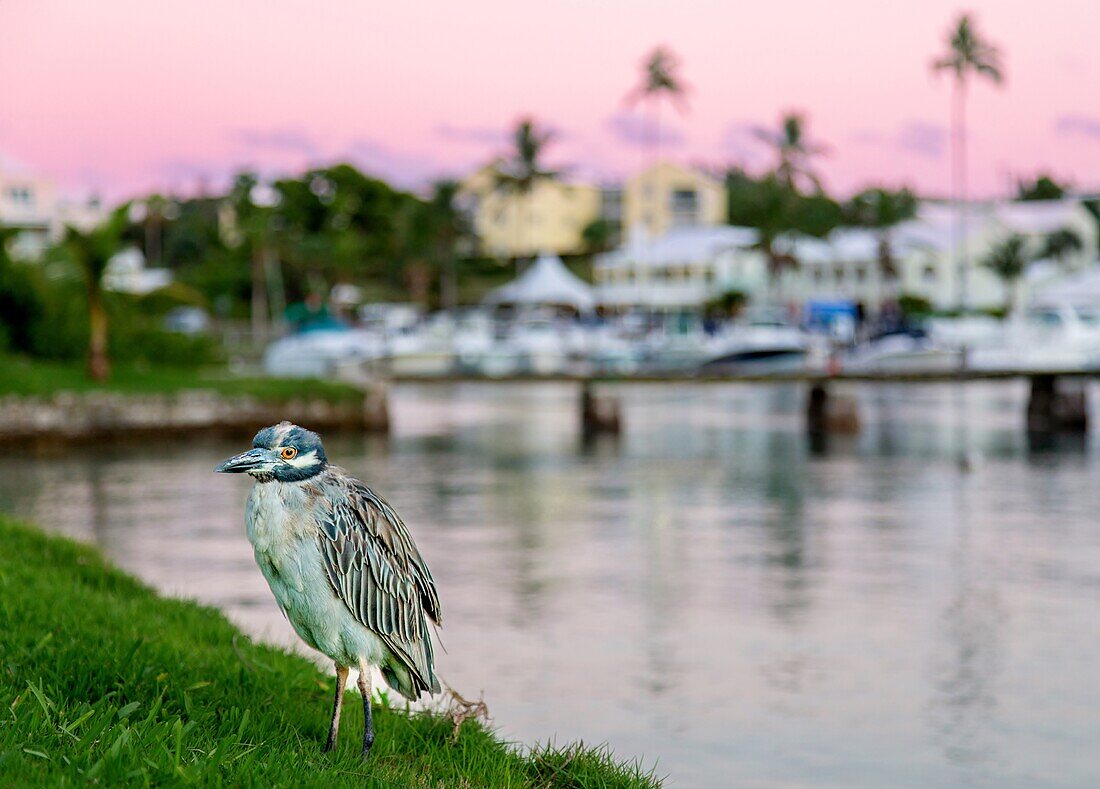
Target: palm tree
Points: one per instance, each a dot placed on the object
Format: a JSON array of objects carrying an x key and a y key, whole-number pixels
[
  {"x": 880, "y": 210},
  {"x": 519, "y": 175},
  {"x": 450, "y": 236},
  {"x": 967, "y": 54},
  {"x": 156, "y": 210},
  {"x": 1008, "y": 260},
  {"x": 793, "y": 150},
  {"x": 252, "y": 226},
  {"x": 1061, "y": 243},
  {"x": 659, "y": 80},
  {"x": 92, "y": 250},
  {"x": 770, "y": 208}
]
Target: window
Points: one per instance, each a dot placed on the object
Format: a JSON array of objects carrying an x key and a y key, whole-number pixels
[
  {"x": 685, "y": 201},
  {"x": 819, "y": 276},
  {"x": 20, "y": 195},
  {"x": 929, "y": 273},
  {"x": 839, "y": 274},
  {"x": 861, "y": 274}
]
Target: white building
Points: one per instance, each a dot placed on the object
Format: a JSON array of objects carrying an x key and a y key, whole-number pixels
[
  {"x": 31, "y": 203},
  {"x": 681, "y": 269},
  {"x": 686, "y": 267},
  {"x": 847, "y": 263}
]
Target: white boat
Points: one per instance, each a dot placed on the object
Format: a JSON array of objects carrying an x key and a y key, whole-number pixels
[
  {"x": 317, "y": 354},
  {"x": 1043, "y": 339},
  {"x": 760, "y": 343},
  {"x": 903, "y": 353}
]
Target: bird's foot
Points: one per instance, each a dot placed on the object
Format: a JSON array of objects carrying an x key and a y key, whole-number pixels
[{"x": 368, "y": 741}]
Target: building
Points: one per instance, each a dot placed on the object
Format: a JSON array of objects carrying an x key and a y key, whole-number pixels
[
  {"x": 550, "y": 218},
  {"x": 847, "y": 263},
  {"x": 30, "y": 203},
  {"x": 680, "y": 270},
  {"x": 668, "y": 196},
  {"x": 686, "y": 266}
]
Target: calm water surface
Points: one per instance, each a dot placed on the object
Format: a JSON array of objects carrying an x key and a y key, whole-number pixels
[{"x": 708, "y": 593}]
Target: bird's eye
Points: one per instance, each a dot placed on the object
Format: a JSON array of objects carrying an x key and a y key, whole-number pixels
[{"x": 288, "y": 453}]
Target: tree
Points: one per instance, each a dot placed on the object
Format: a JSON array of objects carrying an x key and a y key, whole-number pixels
[
  {"x": 156, "y": 212},
  {"x": 1008, "y": 260},
  {"x": 1062, "y": 243},
  {"x": 659, "y": 80},
  {"x": 518, "y": 176},
  {"x": 599, "y": 235},
  {"x": 776, "y": 210},
  {"x": 793, "y": 151},
  {"x": 252, "y": 224},
  {"x": 1042, "y": 188},
  {"x": 441, "y": 234},
  {"x": 880, "y": 210},
  {"x": 92, "y": 250},
  {"x": 967, "y": 55}
]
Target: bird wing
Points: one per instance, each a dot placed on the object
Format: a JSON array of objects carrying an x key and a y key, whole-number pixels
[{"x": 375, "y": 568}]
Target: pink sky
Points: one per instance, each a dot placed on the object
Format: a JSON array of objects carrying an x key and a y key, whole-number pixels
[{"x": 123, "y": 96}]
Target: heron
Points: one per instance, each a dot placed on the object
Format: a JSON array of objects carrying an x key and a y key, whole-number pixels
[{"x": 342, "y": 566}]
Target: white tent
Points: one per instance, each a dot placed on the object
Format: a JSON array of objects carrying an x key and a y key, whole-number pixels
[{"x": 546, "y": 282}]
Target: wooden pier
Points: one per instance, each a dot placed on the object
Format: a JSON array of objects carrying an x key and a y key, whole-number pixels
[{"x": 1057, "y": 401}]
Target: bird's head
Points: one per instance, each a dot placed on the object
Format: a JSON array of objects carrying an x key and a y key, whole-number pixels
[{"x": 282, "y": 452}]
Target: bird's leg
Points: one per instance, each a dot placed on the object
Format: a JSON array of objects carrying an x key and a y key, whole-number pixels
[
  {"x": 368, "y": 722},
  {"x": 338, "y": 702}
]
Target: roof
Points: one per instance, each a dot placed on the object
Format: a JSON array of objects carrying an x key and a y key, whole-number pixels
[
  {"x": 680, "y": 245},
  {"x": 1079, "y": 289},
  {"x": 546, "y": 281},
  {"x": 1037, "y": 216}
]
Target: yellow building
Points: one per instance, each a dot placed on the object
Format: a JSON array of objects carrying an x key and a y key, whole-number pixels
[
  {"x": 666, "y": 196},
  {"x": 550, "y": 218}
]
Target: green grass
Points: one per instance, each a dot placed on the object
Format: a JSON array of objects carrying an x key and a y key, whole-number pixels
[
  {"x": 21, "y": 376},
  {"x": 102, "y": 681}
]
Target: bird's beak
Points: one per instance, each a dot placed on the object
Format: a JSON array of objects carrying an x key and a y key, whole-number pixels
[{"x": 246, "y": 461}]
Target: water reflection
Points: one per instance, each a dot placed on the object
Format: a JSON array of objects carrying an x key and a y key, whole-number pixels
[{"x": 710, "y": 588}]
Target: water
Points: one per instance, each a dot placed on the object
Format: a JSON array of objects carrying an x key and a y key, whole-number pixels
[{"x": 709, "y": 592}]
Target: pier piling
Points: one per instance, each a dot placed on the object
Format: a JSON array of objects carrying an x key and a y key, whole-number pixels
[
  {"x": 1057, "y": 405},
  {"x": 599, "y": 414},
  {"x": 828, "y": 412}
]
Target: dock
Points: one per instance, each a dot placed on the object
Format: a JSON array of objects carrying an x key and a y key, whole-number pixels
[{"x": 1056, "y": 403}]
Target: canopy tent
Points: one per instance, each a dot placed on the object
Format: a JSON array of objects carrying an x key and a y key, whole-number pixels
[{"x": 546, "y": 282}]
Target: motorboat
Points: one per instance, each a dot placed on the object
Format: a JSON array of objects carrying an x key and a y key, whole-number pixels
[
  {"x": 1050, "y": 338},
  {"x": 762, "y": 342},
  {"x": 318, "y": 353},
  {"x": 910, "y": 351}
]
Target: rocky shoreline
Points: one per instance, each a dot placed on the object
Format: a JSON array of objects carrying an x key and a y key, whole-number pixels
[{"x": 79, "y": 417}]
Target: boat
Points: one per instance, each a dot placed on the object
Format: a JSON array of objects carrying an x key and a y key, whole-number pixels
[
  {"x": 1050, "y": 338},
  {"x": 763, "y": 342},
  {"x": 910, "y": 351},
  {"x": 320, "y": 352}
]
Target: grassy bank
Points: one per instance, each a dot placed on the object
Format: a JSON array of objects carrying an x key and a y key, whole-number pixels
[
  {"x": 102, "y": 680},
  {"x": 32, "y": 377}
]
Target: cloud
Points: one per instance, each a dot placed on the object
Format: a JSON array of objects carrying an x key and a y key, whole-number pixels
[
  {"x": 407, "y": 169},
  {"x": 288, "y": 139},
  {"x": 914, "y": 136},
  {"x": 633, "y": 129},
  {"x": 741, "y": 142},
  {"x": 1083, "y": 125},
  {"x": 927, "y": 139},
  {"x": 480, "y": 135}
]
